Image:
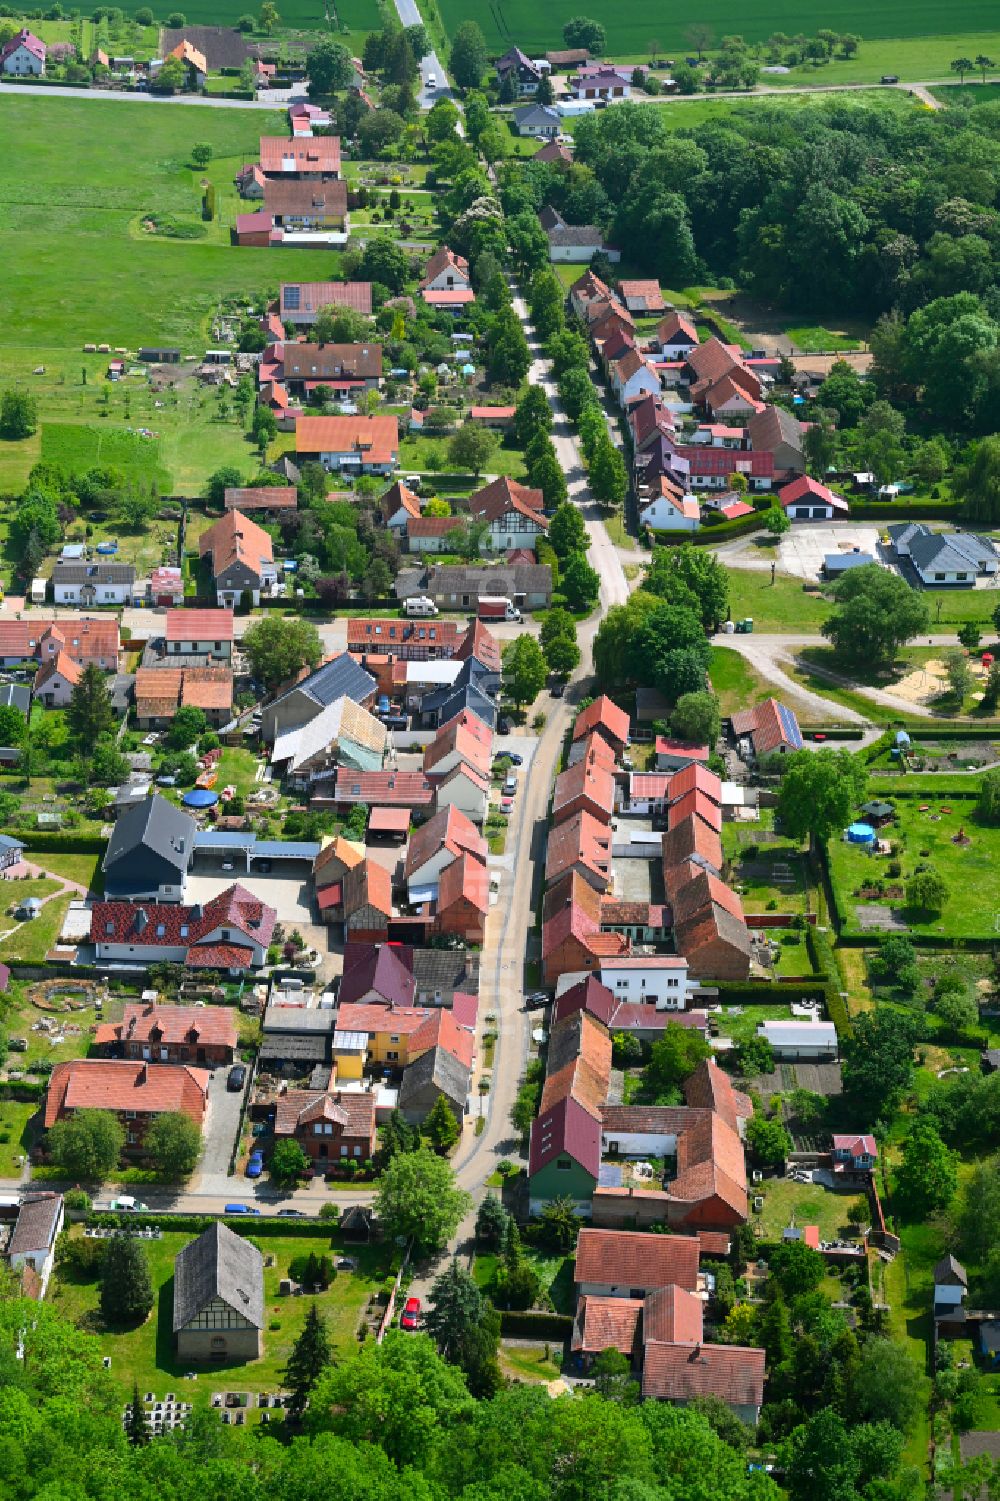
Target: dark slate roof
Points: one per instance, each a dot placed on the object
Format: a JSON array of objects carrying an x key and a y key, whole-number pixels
[
  {"x": 16, "y": 696},
  {"x": 951, "y": 552},
  {"x": 219, "y": 1264},
  {"x": 440, "y": 1069},
  {"x": 447, "y": 702},
  {"x": 93, "y": 573},
  {"x": 575, "y": 234},
  {"x": 153, "y": 824},
  {"x": 37, "y": 1219},
  {"x": 340, "y": 678},
  {"x": 293, "y": 1049},
  {"x": 950, "y": 1270},
  {"x": 222, "y": 46}
]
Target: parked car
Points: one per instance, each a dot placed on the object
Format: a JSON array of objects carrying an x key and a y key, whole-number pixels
[
  {"x": 127, "y": 1205},
  {"x": 503, "y": 725},
  {"x": 506, "y": 805},
  {"x": 240, "y": 1209},
  {"x": 558, "y": 689},
  {"x": 514, "y": 758},
  {"x": 255, "y": 1164},
  {"x": 237, "y": 1077},
  {"x": 537, "y": 998},
  {"x": 291, "y": 1214},
  {"x": 411, "y": 1314},
  {"x": 510, "y": 784}
]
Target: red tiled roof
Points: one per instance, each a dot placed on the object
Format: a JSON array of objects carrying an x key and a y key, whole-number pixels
[
  {"x": 706, "y": 460},
  {"x": 697, "y": 804},
  {"x": 805, "y": 488},
  {"x": 379, "y": 1021},
  {"x": 389, "y": 635},
  {"x": 315, "y": 154},
  {"x": 603, "y": 715},
  {"x": 711, "y": 1089},
  {"x": 629, "y": 1258},
  {"x": 480, "y": 642},
  {"x": 606, "y": 1324},
  {"x": 61, "y": 664},
  {"x": 448, "y": 829},
  {"x": 588, "y": 778},
  {"x": 503, "y": 495},
  {"x": 149, "y": 924},
  {"x": 199, "y": 625},
  {"x": 467, "y": 736},
  {"x": 432, "y": 526},
  {"x": 262, "y": 498},
  {"x": 672, "y": 1315},
  {"x": 367, "y": 885},
  {"x": 673, "y": 325},
  {"x": 665, "y": 746},
  {"x": 586, "y": 995},
  {"x": 375, "y": 439},
  {"x": 236, "y": 539},
  {"x": 409, "y": 789},
  {"x": 177, "y": 1025},
  {"x": 85, "y": 640},
  {"x": 649, "y": 290},
  {"x": 444, "y": 259},
  {"x": 448, "y": 296},
  {"x": 353, "y": 1111},
  {"x": 119, "y": 1085},
  {"x": 580, "y": 840},
  {"x": 697, "y": 778},
  {"x": 399, "y": 498},
  {"x": 465, "y": 879},
  {"x": 388, "y": 820},
  {"x": 769, "y": 724},
  {"x": 313, "y": 295},
  {"x": 679, "y": 1373},
  {"x": 442, "y": 1029},
  {"x": 713, "y": 360}
]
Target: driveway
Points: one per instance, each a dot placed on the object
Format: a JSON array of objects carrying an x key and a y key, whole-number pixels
[
  {"x": 221, "y": 1125},
  {"x": 804, "y": 547}
]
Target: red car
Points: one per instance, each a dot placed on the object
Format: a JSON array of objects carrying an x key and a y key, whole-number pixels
[{"x": 411, "y": 1314}]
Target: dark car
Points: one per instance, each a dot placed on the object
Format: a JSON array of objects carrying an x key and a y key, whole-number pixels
[
  {"x": 503, "y": 726},
  {"x": 291, "y": 1214},
  {"x": 395, "y": 721},
  {"x": 237, "y": 1078},
  {"x": 558, "y": 689}
]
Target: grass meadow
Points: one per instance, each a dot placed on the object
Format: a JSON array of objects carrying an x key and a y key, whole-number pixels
[
  {"x": 356, "y": 17},
  {"x": 631, "y": 29}
]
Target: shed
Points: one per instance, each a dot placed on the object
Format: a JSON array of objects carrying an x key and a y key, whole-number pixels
[{"x": 391, "y": 821}]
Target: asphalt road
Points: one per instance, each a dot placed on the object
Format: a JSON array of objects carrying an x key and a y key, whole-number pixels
[{"x": 431, "y": 66}]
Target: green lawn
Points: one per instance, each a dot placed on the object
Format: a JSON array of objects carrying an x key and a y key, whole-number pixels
[
  {"x": 14, "y": 1135},
  {"x": 347, "y": 16},
  {"x": 146, "y": 1354},
  {"x": 427, "y": 454},
  {"x": 77, "y": 180},
  {"x": 766, "y": 872},
  {"x": 971, "y": 872},
  {"x": 803, "y": 1204},
  {"x": 30, "y": 941},
  {"x": 784, "y": 605},
  {"x": 528, "y": 1362},
  {"x": 735, "y": 683},
  {"x": 817, "y": 340},
  {"x": 77, "y": 445}
]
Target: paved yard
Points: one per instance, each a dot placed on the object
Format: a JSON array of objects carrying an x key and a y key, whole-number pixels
[
  {"x": 221, "y": 1124},
  {"x": 288, "y": 895},
  {"x": 804, "y": 547}
]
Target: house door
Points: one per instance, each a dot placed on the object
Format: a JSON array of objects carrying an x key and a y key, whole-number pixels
[{"x": 200, "y": 1055}]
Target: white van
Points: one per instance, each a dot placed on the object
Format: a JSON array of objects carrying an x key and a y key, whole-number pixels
[{"x": 419, "y": 605}]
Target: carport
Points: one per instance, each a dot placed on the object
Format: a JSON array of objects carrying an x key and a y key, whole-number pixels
[{"x": 245, "y": 851}]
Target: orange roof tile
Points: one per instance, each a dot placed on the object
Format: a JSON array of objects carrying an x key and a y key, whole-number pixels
[
  {"x": 119, "y": 1085},
  {"x": 630, "y": 1258}
]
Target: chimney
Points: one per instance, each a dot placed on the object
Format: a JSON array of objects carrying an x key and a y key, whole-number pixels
[{"x": 142, "y": 1077}]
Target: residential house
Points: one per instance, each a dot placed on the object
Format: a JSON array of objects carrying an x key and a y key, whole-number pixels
[
  {"x": 377, "y": 977},
  {"x": 23, "y": 56},
  {"x": 526, "y": 75},
  {"x": 632, "y": 378},
  {"x": 463, "y": 899},
  {"x": 383, "y": 789},
  {"x": 316, "y": 158},
  {"x": 200, "y": 633},
  {"x": 306, "y": 206},
  {"x": 576, "y": 243},
  {"x": 399, "y": 506},
  {"x": 659, "y": 980},
  {"x": 681, "y": 1368},
  {"x": 642, "y": 297},
  {"x": 352, "y": 445},
  {"x": 218, "y": 1310},
  {"x": 720, "y": 380},
  {"x": 250, "y": 181},
  {"x": 462, "y": 741},
  {"x": 11, "y": 853},
  {"x": 778, "y": 432},
  {"x": 513, "y": 513},
  {"x": 89, "y": 584},
  {"x": 275, "y": 500},
  {"x": 769, "y": 728},
  {"x": 341, "y": 735},
  {"x": 299, "y": 302},
  {"x": 602, "y": 83},
  {"x": 554, "y": 153},
  {"x": 136, "y": 1092},
  {"x": 572, "y": 937},
  {"x": 460, "y": 586},
  {"x": 436, "y": 844},
  {"x": 581, "y": 844},
  {"x": 944, "y": 558},
  {"x": 951, "y": 1284},
  {"x": 564, "y": 1153},
  {"x": 854, "y": 1155},
  {"x": 403, "y": 640},
  {"x": 230, "y": 933},
  {"x": 335, "y": 858},
  {"x": 330, "y": 1127},
  {"x": 436, "y": 1074},
  {"x": 194, "y": 61},
  {"x": 204, "y": 1035},
  {"x": 242, "y": 559},
  {"x": 538, "y": 120},
  {"x": 674, "y": 755},
  {"x": 802, "y": 1042},
  {"x": 161, "y": 691},
  {"x": 669, "y": 511},
  {"x": 367, "y": 902},
  {"x": 586, "y": 786},
  {"x": 446, "y": 282},
  {"x": 629, "y": 1264},
  {"x": 55, "y": 680},
  {"x": 31, "y": 1249},
  {"x": 344, "y": 369},
  {"x": 398, "y": 1035},
  {"x": 148, "y": 853},
  {"x": 465, "y": 788},
  {"x": 567, "y": 57},
  {"x": 805, "y": 499},
  {"x": 709, "y": 926},
  {"x": 340, "y": 677}
]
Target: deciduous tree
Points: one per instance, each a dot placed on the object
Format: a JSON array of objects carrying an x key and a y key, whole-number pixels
[
  {"x": 523, "y": 670},
  {"x": 417, "y": 1198},
  {"x": 87, "y": 1145},
  {"x": 279, "y": 648},
  {"x": 819, "y": 791},
  {"x": 173, "y": 1145}
]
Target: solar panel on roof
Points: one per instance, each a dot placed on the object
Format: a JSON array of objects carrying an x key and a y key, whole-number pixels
[
  {"x": 790, "y": 726},
  {"x": 292, "y": 297}
]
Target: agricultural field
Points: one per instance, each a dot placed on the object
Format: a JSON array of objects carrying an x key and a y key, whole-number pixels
[
  {"x": 146, "y": 1354},
  {"x": 631, "y": 30},
  {"x": 351, "y": 18}
]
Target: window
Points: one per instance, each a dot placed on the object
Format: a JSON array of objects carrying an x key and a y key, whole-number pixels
[
  {"x": 343, "y": 1151},
  {"x": 563, "y": 1164},
  {"x": 392, "y": 1057},
  {"x": 672, "y": 984},
  {"x": 130, "y": 1115},
  {"x": 357, "y": 1151},
  {"x": 109, "y": 928},
  {"x": 318, "y": 1129},
  {"x": 184, "y": 930},
  {"x": 161, "y": 930}
]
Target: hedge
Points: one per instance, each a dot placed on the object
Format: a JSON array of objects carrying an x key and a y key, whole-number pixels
[
  {"x": 765, "y": 992},
  {"x": 197, "y": 1223},
  {"x": 906, "y": 509},
  {"x": 707, "y": 535},
  {"x": 25, "y": 1090},
  {"x": 58, "y": 842},
  {"x": 534, "y": 1325},
  {"x": 820, "y": 951}
]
